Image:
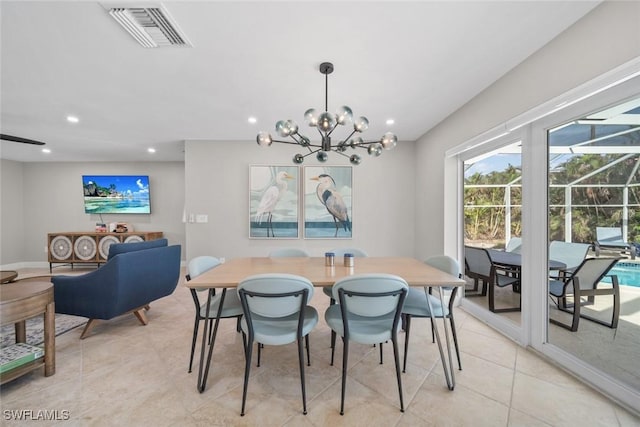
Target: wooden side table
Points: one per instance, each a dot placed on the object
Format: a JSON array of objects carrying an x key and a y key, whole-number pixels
[
  {"x": 22, "y": 301},
  {"x": 7, "y": 276}
]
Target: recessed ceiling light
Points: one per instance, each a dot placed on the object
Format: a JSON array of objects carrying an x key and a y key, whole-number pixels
[
  {"x": 390, "y": 121},
  {"x": 151, "y": 150},
  {"x": 46, "y": 150},
  {"x": 252, "y": 120},
  {"x": 72, "y": 119}
]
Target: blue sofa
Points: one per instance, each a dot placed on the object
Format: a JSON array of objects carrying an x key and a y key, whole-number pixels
[{"x": 134, "y": 275}]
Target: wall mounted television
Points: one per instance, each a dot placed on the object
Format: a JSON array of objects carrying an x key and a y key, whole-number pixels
[{"x": 116, "y": 194}]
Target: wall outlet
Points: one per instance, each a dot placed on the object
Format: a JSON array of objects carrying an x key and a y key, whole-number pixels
[{"x": 202, "y": 218}]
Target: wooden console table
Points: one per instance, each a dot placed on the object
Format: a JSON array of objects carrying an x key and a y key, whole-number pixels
[
  {"x": 7, "y": 276},
  {"x": 82, "y": 247},
  {"x": 22, "y": 301}
]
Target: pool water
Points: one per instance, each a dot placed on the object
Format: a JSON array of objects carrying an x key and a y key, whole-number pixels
[{"x": 628, "y": 273}]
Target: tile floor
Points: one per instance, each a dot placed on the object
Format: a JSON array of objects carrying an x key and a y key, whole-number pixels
[{"x": 126, "y": 374}]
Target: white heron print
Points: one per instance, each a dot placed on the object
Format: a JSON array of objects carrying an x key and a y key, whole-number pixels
[
  {"x": 328, "y": 202},
  {"x": 274, "y": 201}
]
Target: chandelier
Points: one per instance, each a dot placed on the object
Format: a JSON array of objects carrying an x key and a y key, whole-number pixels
[{"x": 326, "y": 123}]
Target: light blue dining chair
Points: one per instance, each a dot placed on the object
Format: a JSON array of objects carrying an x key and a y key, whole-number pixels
[
  {"x": 368, "y": 313},
  {"x": 416, "y": 305},
  {"x": 231, "y": 306},
  {"x": 276, "y": 312},
  {"x": 288, "y": 253}
]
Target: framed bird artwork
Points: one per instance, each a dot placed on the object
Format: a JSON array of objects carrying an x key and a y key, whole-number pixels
[
  {"x": 328, "y": 202},
  {"x": 274, "y": 202}
]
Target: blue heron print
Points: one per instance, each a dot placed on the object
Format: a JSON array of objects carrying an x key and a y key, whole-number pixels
[{"x": 331, "y": 217}]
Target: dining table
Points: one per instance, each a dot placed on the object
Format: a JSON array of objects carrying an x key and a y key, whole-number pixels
[
  {"x": 233, "y": 271},
  {"x": 514, "y": 260}
]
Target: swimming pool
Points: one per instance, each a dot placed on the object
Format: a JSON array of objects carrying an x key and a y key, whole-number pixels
[{"x": 628, "y": 273}]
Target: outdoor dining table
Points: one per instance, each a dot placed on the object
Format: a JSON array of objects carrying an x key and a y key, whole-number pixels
[
  {"x": 232, "y": 272},
  {"x": 514, "y": 260}
]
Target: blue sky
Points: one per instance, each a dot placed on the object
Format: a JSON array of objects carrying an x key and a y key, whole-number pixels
[{"x": 130, "y": 184}]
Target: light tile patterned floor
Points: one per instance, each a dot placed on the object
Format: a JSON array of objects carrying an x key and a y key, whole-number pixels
[{"x": 128, "y": 374}]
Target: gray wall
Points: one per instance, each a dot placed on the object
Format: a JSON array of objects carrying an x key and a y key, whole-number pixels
[
  {"x": 217, "y": 184},
  {"x": 604, "y": 39},
  {"x": 11, "y": 212},
  {"x": 50, "y": 198}
]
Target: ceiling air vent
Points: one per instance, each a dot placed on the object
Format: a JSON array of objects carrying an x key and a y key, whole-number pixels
[{"x": 150, "y": 26}]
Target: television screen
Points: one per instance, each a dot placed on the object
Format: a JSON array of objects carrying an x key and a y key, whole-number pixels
[{"x": 121, "y": 194}]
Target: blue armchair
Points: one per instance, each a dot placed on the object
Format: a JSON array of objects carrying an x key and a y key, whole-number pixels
[{"x": 128, "y": 282}]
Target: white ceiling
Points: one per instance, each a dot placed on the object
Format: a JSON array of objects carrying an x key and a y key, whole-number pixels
[{"x": 415, "y": 62}]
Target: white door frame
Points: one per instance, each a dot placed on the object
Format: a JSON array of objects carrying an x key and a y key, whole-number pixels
[{"x": 610, "y": 88}]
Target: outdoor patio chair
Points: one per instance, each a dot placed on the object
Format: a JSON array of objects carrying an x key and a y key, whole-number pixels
[
  {"x": 479, "y": 266},
  {"x": 584, "y": 283},
  {"x": 514, "y": 245},
  {"x": 572, "y": 254},
  {"x": 611, "y": 238}
]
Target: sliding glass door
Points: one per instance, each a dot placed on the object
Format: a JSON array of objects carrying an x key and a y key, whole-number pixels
[
  {"x": 594, "y": 217},
  {"x": 492, "y": 227},
  {"x": 561, "y": 189}
]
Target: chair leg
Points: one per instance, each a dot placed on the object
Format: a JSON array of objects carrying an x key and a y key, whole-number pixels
[
  {"x": 407, "y": 324},
  {"x": 345, "y": 360},
  {"x": 576, "y": 311},
  {"x": 455, "y": 340},
  {"x": 301, "y": 362},
  {"x": 491, "y": 297},
  {"x": 247, "y": 368},
  {"x": 193, "y": 342},
  {"x": 333, "y": 345},
  {"x": 306, "y": 341},
  {"x": 87, "y": 328},
  {"x": 616, "y": 309},
  {"x": 333, "y": 336},
  {"x": 142, "y": 318},
  {"x": 433, "y": 331},
  {"x": 381, "y": 353},
  {"x": 210, "y": 330},
  {"x": 394, "y": 340},
  {"x": 259, "y": 353}
]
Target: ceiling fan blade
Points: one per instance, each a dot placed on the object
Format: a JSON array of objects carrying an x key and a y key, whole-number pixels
[{"x": 18, "y": 139}]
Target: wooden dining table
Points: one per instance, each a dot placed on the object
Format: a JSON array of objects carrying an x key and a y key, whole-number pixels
[{"x": 232, "y": 272}]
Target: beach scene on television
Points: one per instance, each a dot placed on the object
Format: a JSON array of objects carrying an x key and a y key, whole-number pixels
[{"x": 107, "y": 194}]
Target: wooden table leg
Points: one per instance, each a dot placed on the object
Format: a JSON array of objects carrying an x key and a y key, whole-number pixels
[
  {"x": 50, "y": 340},
  {"x": 21, "y": 331}
]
